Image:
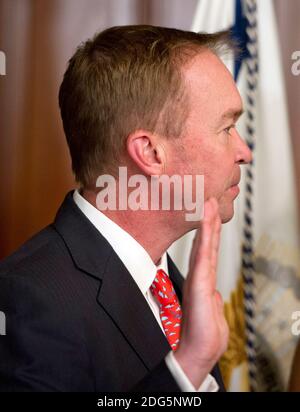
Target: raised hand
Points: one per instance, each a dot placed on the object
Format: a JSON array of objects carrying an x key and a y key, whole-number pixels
[{"x": 204, "y": 330}]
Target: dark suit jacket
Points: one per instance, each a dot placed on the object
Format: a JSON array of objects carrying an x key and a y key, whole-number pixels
[{"x": 75, "y": 319}]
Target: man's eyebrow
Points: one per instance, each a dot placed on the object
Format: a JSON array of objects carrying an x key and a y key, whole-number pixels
[{"x": 232, "y": 114}]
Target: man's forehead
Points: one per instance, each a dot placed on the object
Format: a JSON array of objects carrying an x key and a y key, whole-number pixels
[
  {"x": 205, "y": 64},
  {"x": 207, "y": 74},
  {"x": 211, "y": 82}
]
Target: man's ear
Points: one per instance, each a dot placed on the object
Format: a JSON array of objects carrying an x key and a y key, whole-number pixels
[{"x": 147, "y": 152}]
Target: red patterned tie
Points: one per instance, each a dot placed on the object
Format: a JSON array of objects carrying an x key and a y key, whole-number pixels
[{"x": 169, "y": 307}]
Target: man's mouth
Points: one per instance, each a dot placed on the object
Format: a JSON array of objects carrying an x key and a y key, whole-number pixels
[{"x": 234, "y": 189}]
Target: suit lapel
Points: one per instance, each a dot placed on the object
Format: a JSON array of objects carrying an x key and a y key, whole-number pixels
[{"x": 123, "y": 301}]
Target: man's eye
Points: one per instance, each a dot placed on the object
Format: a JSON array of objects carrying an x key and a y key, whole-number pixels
[{"x": 227, "y": 130}]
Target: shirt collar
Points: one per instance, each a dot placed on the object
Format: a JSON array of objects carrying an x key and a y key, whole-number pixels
[{"x": 135, "y": 258}]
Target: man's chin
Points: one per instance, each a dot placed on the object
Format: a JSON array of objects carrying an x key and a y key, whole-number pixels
[
  {"x": 226, "y": 219},
  {"x": 227, "y": 213}
]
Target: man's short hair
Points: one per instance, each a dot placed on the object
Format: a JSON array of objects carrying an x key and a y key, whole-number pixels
[{"x": 124, "y": 79}]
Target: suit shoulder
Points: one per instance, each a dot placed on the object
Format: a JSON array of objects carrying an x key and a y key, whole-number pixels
[{"x": 36, "y": 253}]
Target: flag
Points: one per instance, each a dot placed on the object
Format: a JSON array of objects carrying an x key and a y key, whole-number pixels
[{"x": 258, "y": 269}]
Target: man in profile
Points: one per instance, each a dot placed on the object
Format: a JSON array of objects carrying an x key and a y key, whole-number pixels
[{"x": 93, "y": 302}]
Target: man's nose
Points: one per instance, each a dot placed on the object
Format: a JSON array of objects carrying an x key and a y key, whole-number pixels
[{"x": 244, "y": 153}]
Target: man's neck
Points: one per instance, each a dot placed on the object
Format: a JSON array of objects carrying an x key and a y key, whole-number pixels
[{"x": 151, "y": 229}]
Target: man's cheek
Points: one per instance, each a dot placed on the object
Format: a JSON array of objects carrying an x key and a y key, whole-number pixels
[{"x": 212, "y": 188}]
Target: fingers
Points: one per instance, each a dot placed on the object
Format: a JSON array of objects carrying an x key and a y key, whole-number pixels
[
  {"x": 207, "y": 242},
  {"x": 201, "y": 235}
]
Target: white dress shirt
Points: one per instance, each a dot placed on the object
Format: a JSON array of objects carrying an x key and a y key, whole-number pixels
[{"x": 142, "y": 269}]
